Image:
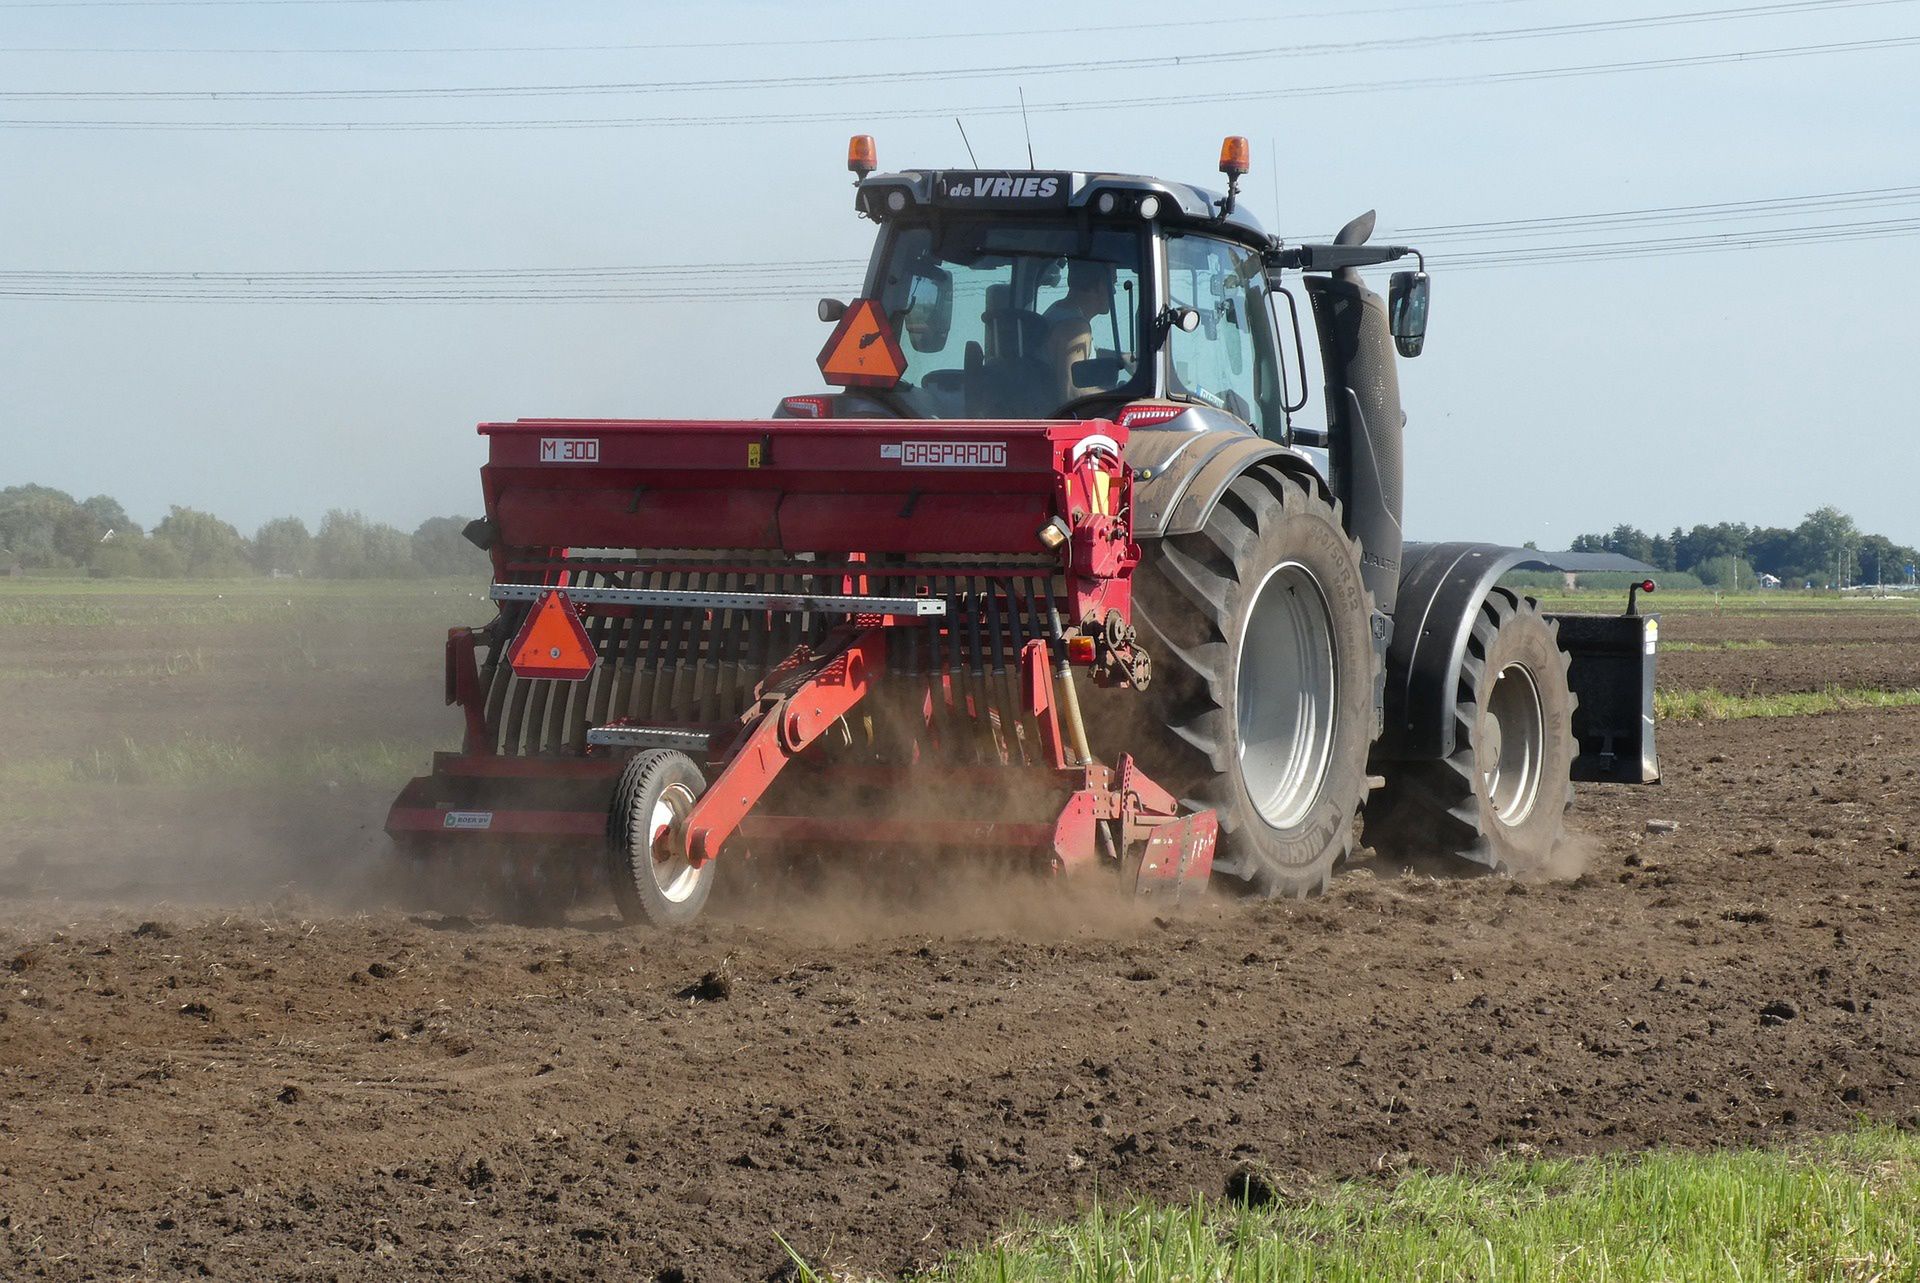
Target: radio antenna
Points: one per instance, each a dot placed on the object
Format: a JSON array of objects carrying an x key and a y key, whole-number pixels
[
  {"x": 1025, "y": 126},
  {"x": 1273, "y": 164},
  {"x": 963, "y": 138}
]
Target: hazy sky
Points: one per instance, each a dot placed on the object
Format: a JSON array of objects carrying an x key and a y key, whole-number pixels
[{"x": 1552, "y": 398}]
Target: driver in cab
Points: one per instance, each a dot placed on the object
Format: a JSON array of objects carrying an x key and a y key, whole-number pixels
[{"x": 1069, "y": 336}]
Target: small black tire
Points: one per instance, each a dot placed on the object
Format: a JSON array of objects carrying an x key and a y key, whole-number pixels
[
  {"x": 1286, "y": 785},
  {"x": 1501, "y": 799},
  {"x": 653, "y": 881}
]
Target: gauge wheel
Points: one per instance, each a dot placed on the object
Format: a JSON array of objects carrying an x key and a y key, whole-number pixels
[{"x": 654, "y": 880}]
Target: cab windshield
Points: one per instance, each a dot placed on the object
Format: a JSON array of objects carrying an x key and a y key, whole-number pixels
[{"x": 1002, "y": 319}]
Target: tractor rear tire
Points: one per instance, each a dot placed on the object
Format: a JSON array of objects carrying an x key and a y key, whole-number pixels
[
  {"x": 1260, "y": 630},
  {"x": 652, "y": 878},
  {"x": 1501, "y": 799}
]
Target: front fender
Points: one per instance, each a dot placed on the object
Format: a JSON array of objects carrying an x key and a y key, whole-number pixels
[{"x": 1182, "y": 467}]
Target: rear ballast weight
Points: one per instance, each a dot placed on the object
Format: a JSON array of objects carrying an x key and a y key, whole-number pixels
[{"x": 866, "y": 601}]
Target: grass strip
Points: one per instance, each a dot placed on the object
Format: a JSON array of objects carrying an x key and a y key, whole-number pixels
[
  {"x": 1712, "y": 705},
  {"x": 198, "y": 762},
  {"x": 1683, "y": 647},
  {"x": 28, "y": 603},
  {"x": 1604, "y": 602},
  {"x": 1844, "y": 1208}
]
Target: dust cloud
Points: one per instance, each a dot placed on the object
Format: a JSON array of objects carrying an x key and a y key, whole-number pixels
[{"x": 1571, "y": 857}]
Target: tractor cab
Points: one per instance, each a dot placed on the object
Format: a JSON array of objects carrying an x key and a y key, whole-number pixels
[{"x": 1033, "y": 294}]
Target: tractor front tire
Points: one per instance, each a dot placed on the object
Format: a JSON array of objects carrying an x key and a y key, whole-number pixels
[
  {"x": 653, "y": 880},
  {"x": 1260, "y": 630},
  {"x": 1501, "y": 799}
]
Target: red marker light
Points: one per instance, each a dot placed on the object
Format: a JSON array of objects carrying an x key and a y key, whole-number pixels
[
  {"x": 1647, "y": 585},
  {"x": 1079, "y": 650}
]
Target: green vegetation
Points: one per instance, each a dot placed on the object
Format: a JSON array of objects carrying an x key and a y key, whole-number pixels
[
  {"x": 1742, "y": 603},
  {"x": 36, "y": 601},
  {"x": 46, "y": 529},
  {"x": 199, "y": 762},
  {"x": 1611, "y": 582},
  {"x": 1825, "y": 550},
  {"x": 192, "y": 761},
  {"x": 1758, "y": 643},
  {"x": 1847, "y": 1208},
  {"x": 1717, "y": 706},
  {"x": 34, "y": 789}
]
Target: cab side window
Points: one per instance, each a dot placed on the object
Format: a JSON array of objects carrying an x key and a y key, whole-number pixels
[{"x": 1230, "y": 361}]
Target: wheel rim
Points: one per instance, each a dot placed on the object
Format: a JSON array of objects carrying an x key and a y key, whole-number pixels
[
  {"x": 1514, "y": 735},
  {"x": 674, "y": 875},
  {"x": 1284, "y": 691}
]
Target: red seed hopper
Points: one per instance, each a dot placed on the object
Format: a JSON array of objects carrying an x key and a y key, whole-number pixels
[{"x": 725, "y": 640}]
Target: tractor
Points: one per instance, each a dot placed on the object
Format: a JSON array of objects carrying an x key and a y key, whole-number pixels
[{"x": 1063, "y": 568}]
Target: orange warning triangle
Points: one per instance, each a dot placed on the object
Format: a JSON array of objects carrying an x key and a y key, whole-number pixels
[
  {"x": 552, "y": 643},
  {"x": 863, "y": 352}
]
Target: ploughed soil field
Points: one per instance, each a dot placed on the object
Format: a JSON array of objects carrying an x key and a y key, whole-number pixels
[{"x": 224, "y": 1053}]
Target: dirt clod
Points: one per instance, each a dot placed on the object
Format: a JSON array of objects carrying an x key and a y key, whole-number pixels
[
  {"x": 1249, "y": 1185},
  {"x": 714, "y": 986}
]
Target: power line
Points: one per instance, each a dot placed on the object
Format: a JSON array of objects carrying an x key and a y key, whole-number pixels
[
  {"x": 697, "y": 282},
  {"x": 942, "y": 75},
  {"x": 1869, "y": 229},
  {"x": 1779, "y": 207},
  {"x": 908, "y": 38},
  {"x": 814, "y": 269},
  {"x": 187, "y": 4},
  {"x": 1137, "y": 102},
  {"x": 431, "y": 273}
]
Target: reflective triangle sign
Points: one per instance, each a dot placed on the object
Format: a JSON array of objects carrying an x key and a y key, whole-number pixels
[
  {"x": 552, "y": 643},
  {"x": 863, "y": 352}
]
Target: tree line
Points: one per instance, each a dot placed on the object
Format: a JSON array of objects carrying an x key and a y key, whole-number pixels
[
  {"x": 46, "y": 529},
  {"x": 1827, "y": 550}
]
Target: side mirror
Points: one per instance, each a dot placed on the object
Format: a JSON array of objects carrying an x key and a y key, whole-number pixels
[
  {"x": 1103, "y": 372},
  {"x": 1407, "y": 297},
  {"x": 830, "y": 309},
  {"x": 929, "y": 316}
]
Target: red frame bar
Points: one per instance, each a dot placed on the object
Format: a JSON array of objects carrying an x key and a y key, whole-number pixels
[{"x": 782, "y": 732}]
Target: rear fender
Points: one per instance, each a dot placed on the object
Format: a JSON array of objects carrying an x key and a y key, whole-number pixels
[
  {"x": 1441, "y": 588},
  {"x": 1611, "y": 670}
]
